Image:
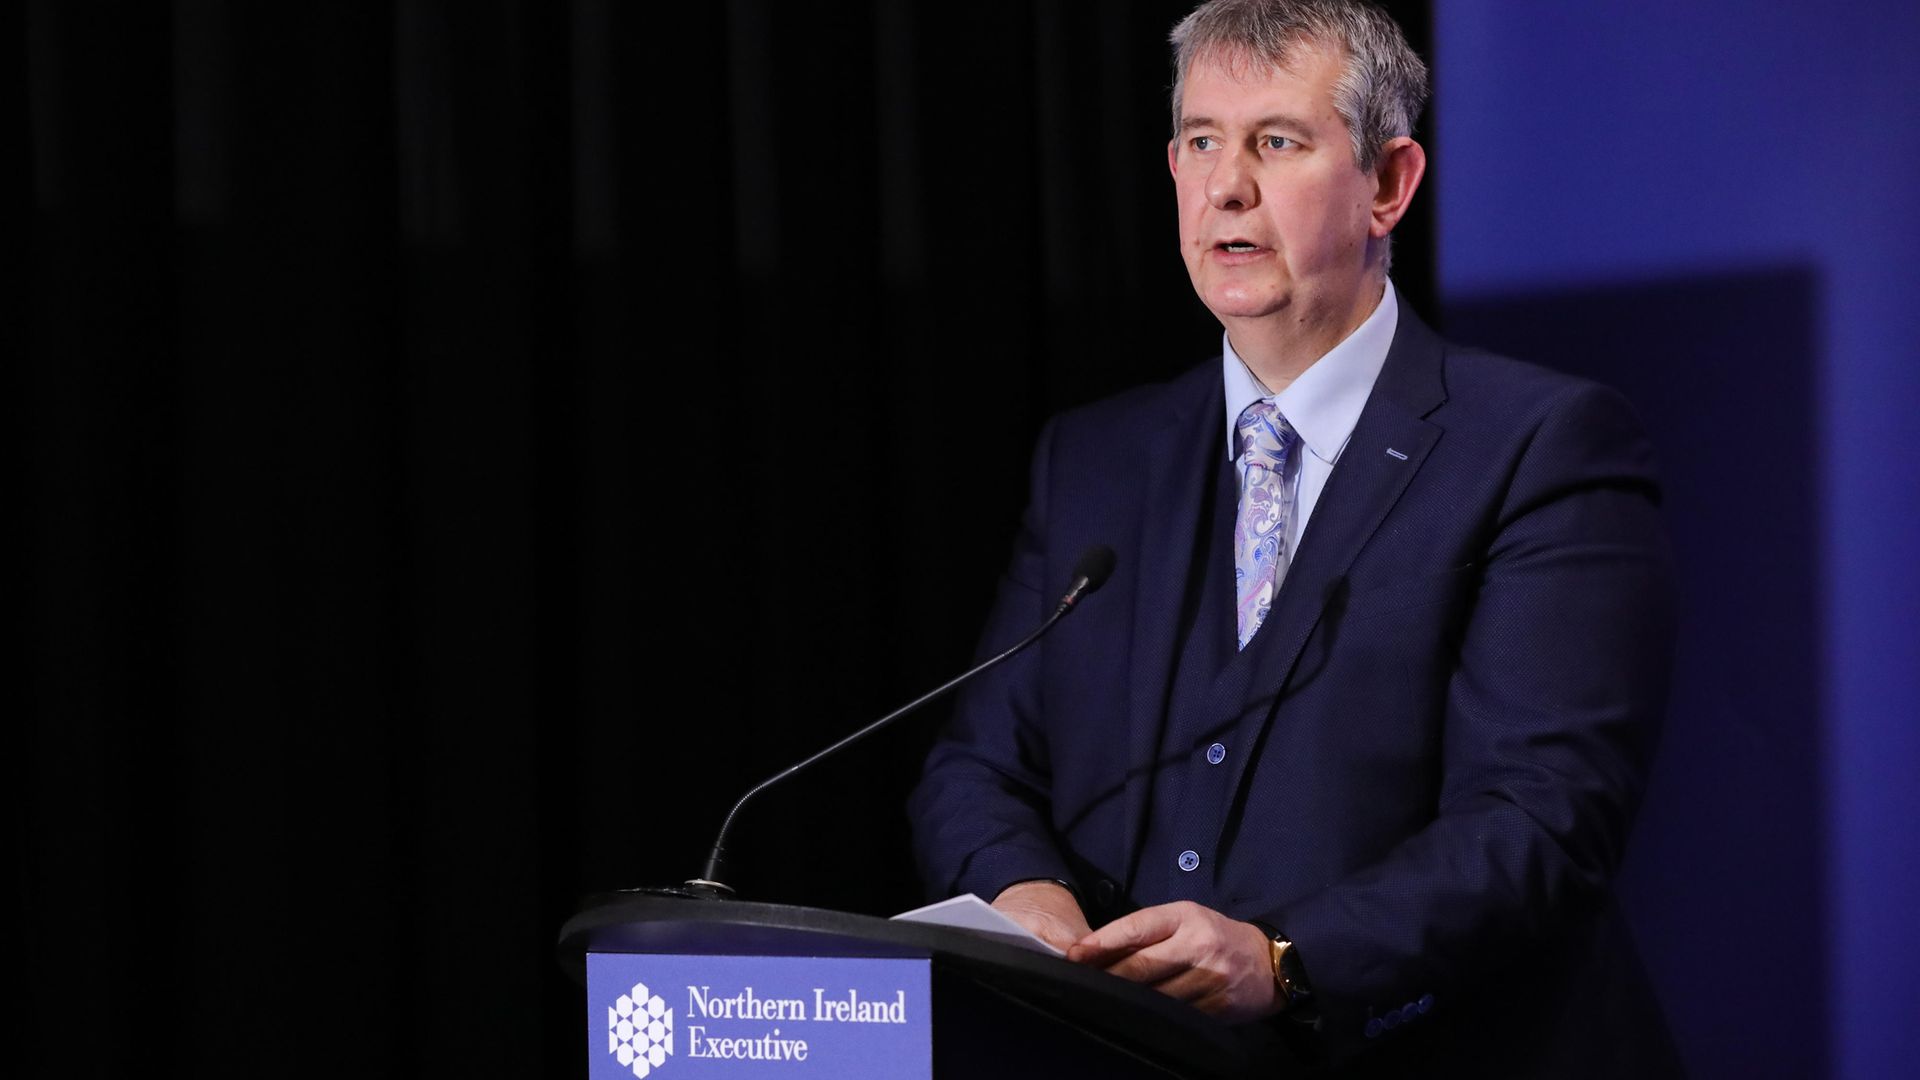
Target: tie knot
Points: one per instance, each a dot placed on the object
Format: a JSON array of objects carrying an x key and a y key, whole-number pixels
[{"x": 1264, "y": 432}]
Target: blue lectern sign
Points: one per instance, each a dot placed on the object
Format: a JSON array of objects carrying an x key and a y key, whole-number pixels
[{"x": 770, "y": 1017}]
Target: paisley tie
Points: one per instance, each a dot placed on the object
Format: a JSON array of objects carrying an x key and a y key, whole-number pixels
[{"x": 1266, "y": 502}]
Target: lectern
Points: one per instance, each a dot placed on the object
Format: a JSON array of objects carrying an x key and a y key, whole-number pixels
[{"x": 714, "y": 988}]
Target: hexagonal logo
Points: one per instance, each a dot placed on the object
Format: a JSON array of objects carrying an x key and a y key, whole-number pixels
[{"x": 640, "y": 1031}]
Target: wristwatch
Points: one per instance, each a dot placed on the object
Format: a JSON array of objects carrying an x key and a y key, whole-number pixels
[{"x": 1289, "y": 973}]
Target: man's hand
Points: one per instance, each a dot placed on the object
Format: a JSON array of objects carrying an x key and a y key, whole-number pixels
[
  {"x": 1046, "y": 910},
  {"x": 1189, "y": 952}
]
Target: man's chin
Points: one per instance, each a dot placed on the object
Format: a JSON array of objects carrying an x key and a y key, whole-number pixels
[{"x": 1230, "y": 309}]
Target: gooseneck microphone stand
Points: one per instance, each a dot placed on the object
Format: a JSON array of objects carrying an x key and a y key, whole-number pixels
[{"x": 1090, "y": 572}]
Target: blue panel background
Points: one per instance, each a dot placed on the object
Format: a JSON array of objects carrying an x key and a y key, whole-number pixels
[{"x": 1711, "y": 206}]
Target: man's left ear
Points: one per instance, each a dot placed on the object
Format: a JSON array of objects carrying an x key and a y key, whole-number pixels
[{"x": 1397, "y": 175}]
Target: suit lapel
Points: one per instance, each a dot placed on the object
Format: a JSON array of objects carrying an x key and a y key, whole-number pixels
[
  {"x": 1388, "y": 446},
  {"x": 1170, "y": 529}
]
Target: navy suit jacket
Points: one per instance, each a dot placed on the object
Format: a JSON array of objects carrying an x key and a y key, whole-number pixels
[{"x": 1435, "y": 745}]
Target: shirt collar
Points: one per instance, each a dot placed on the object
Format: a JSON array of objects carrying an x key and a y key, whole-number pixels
[{"x": 1324, "y": 403}]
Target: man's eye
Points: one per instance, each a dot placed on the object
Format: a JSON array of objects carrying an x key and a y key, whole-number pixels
[
  {"x": 1200, "y": 142},
  {"x": 1278, "y": 142}
]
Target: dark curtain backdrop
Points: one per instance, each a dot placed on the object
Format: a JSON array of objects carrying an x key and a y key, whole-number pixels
[{"x": 465, "y": 444}]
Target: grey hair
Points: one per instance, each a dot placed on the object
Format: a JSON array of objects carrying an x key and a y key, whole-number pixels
[{"x": 1380, "y": 91}]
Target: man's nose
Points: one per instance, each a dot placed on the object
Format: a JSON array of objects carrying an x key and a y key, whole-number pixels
[{"x": 1231, "y": 185}]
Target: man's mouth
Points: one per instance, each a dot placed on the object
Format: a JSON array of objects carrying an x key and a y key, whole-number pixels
[{"x": 1237, "y": 247}]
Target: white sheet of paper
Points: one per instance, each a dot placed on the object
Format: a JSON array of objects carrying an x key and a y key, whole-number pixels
[{"x": 969, "y": 912}]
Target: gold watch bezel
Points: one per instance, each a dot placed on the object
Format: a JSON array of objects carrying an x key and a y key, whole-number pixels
[{"x": 1276, "y": 954}]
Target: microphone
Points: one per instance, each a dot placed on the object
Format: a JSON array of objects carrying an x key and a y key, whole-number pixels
[
  {"x": 1094, "y": 567},
  {"x": 1090, "y": 571}
]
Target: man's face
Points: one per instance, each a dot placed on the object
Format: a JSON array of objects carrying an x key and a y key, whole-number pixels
[{"x": 1274, "y": 214}]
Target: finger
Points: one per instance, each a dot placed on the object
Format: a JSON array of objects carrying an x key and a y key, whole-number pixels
[
  {"x": 1191, "y": 985},
  {"x": 1218, "y": 1003},
  {"x": 1151, "y": 965},
  {"x": 1187, "y": 984},
  {"x": 1128, "y": 934}
]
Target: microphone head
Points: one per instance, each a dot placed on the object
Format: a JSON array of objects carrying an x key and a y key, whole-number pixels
[{"x": 1095, "y": 567}]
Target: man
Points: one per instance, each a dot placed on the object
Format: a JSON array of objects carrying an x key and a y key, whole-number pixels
[{"x": 1352, "y": 741}]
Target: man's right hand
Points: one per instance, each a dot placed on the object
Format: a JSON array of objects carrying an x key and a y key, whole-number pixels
[{"x": 1046, "y": 910}]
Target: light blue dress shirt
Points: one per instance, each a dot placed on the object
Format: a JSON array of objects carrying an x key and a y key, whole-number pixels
[{"x": 1323, "y": 404}]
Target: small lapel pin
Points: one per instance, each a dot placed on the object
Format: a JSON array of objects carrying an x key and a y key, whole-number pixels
[{"x": 1391, "y": 452}]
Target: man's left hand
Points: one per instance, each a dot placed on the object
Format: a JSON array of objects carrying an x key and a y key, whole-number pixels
[{"x": 1190, "y": 952}]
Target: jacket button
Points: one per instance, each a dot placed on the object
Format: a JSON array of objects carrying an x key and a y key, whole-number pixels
[
  {"x": 1189, "y": 860},
  {"x": 1425, "y": 1004},
  {"x": 1216, "y": 754},
  {"x": 1103, "y": 892},
  {"x": 1374, "y": 1028}
]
